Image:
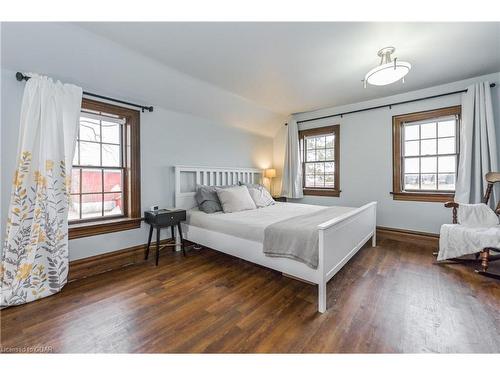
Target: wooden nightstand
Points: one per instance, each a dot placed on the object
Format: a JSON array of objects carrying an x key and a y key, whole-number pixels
[
  {"x": 280, "y": 199},
  {"x": 163, "y": 219}
]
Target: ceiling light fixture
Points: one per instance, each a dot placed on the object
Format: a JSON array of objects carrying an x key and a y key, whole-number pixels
[{"x": 388, "y": 71}]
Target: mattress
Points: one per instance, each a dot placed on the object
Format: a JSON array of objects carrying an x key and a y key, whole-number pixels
[{"x": 250, "y": 224}]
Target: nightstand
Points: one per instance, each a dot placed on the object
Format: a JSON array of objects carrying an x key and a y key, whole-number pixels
[
  {"x": 163, "y": 219},
  {"x": 280, "y": 199}
]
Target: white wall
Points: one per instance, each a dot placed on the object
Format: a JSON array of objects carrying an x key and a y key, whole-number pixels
[
  {"x": 167, "y": 137},
  {"x": 366, "y": 155}
]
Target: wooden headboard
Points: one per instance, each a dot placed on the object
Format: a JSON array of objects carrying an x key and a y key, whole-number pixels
[{"x": 187, "y": 177}]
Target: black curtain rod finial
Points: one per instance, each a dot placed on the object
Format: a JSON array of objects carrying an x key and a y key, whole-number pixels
[{"x": 21, "y": 77}]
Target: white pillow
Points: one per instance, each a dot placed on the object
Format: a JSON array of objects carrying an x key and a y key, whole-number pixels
[
  {"x": 234, "y": 199},
  {"x": 476, "y": 215},
  {"x": 260, "y": 196}
]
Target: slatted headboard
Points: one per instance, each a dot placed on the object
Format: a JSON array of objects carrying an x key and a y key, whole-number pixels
[{"x": 187, "y": 177}]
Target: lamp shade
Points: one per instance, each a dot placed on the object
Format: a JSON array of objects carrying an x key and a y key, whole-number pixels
[
  {"x": 270, "y": 173},
  {"x": 389, "y": 70}
]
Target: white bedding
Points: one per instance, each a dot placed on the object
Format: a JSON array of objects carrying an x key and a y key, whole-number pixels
[{"x": 250, "y": 224}]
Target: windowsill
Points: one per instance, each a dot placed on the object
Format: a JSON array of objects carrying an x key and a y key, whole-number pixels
[
  {"x": 423, "y": 197},
  {"x": 322, "y": 192},
  {"x": 79, "y": 230}
]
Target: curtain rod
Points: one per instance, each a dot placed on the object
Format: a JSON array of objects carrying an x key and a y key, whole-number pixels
[
  {"x": 385, "y": 105},
  {"x": 21, "y": 77}
]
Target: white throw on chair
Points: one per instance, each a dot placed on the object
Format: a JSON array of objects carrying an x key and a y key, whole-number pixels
[{"x": 475, "y": 230}]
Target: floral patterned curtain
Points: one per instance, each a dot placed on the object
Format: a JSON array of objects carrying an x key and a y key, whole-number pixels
[{"x": 34, "y": 262}]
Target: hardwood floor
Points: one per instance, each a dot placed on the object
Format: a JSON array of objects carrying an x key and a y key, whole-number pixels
[{"x": 386, "y": 299}]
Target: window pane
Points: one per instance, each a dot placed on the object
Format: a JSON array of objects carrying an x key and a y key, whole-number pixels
[
  {"x": 319, "y": 180},
  {"x": 447, "y": 164},
  {"x": 428, "y": 182},
  {"x": 320, "y": 142},
  {"x": 110, "y": 155},
  {"x": 91, "y": 205},
  {"x": 329, "y": 167},
  {"x": 329, "y": 180},
  {"x": 428, "y": 130},
  {"x": 309, "y": 168},
  {"x": 446, "y": 145},
  {"x": 411, "y": 148},
  {"x": 90, "y": 154},
  {"x": 329, "y": 141},
  {"x": 412, "y": 165},
  {"x": 319, "y": 167},
  {"x": 311, "y": 156},
  {"x": 112, "y": 180},
  {"x": 75, "y": 180},
  {"x": 77, "y": 155},
  {"x": 320, "y": 155},
  {"x": 446, "y": 181},
  {"x": 411, "y": 182},
  {"x": 74, "y": 208},
  {"x": 113, "y": 204},
  {"x": 428, "y": 165},
  {"x": 446, "y": 128},
  {"x": 311, "y": 143},
  {"x": 411, "y": 132},
  {"x": 428, "y": 147},
  {"x": 90, "y": 130},
  {"x": 309, "y": 180},
  {"x": 91, "y": 181},
  {"x": 110, "y": 132},
  {"x": 329, "y": 154}
]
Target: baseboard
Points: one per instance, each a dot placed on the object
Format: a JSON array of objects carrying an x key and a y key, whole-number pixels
[
  {"x": 82, "y": 268},
  {"x": 404, "y": 235}
]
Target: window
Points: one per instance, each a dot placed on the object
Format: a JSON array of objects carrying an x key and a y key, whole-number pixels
[
  {"x": 105, "y": 179},
  {"x": 320, "y": 157},
  {"x": 425, "y": 155}
]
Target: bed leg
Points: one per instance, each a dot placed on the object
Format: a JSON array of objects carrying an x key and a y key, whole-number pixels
[
  {"x": 374, "y": 239},
  {"x": 322, "y": 297}
]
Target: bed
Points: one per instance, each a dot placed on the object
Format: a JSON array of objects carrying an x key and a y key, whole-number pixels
[{"x": 241, "y": 234}]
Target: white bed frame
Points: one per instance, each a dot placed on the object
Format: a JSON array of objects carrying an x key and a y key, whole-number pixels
[{"x": 339, "y": 238}]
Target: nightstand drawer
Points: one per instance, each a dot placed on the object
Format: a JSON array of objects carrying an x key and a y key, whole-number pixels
[{"x": 165, "y": 218}]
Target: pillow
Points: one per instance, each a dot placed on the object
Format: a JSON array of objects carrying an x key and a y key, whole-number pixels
[
  {"x": 235, "y": 198},
  {"x": 207, "y": 198},
  {"x": 476, "y": 215},
  {"x": 259, "y": 194}
]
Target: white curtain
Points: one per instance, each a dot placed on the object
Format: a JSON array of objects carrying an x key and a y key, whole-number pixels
[
  {"x": 478, "y": 147},
  {"x": 34, "y": 260},
  {"x": 292, "y": 168}
]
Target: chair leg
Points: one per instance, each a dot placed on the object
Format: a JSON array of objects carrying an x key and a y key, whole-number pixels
[{"x": 485, "y": 255}]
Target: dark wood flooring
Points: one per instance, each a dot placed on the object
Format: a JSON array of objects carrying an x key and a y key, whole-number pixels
[{"x": 391, "y": 298}]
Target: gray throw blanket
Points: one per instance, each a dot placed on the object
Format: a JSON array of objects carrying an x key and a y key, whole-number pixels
[{"x": 297, "y": 238}]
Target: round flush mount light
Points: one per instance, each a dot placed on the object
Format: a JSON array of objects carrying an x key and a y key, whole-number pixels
[{"x": 389, "y": 71}]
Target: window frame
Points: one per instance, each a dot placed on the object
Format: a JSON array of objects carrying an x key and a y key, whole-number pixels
[
  {"x": 130, "y": 154},
  {"x": 326, "y": 130},
  {"x": 398, "y": 192}
]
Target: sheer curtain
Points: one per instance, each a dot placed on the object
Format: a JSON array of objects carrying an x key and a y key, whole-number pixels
[
  {"x": 292, "y": 168},
  {"x": 478, "y": 145},
  {"x": 34, "y": 260}
]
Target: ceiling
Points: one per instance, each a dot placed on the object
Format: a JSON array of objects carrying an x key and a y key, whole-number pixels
[{"x": 295, "y": 67}]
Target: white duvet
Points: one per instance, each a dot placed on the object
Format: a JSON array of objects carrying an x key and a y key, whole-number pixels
[{"x": 250, "y": 224}]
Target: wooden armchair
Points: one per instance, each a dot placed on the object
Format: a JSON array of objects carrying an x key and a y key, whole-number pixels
[{"x": 486, "y": 257}]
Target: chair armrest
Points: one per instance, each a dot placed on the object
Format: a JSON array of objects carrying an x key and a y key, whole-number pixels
[{"x": 454, "y": 206}]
